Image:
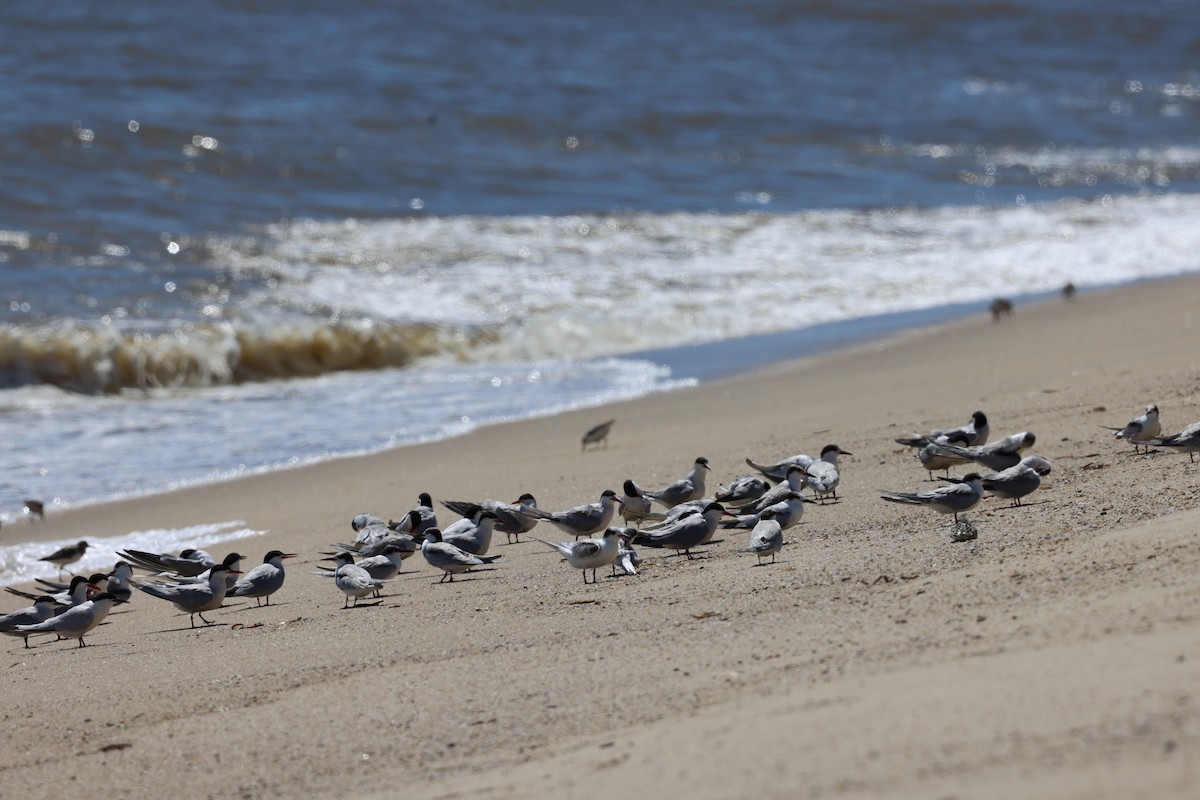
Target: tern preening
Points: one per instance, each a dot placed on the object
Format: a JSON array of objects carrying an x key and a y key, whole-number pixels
[{"x": 1140, "y": 430}]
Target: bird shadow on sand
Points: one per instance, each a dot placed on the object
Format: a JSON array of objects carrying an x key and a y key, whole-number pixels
[
  {"x": 200, "y": 627},
  {"x": 242, "y": 607},
  {"x": 372, "y": 604}
]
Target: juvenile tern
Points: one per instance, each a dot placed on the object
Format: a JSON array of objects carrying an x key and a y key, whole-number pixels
[
  {"x": 66, "y": 555},
  {"x": 264, "y": 580},
  {"x": 973, "y": 434},
  {"x": 192, "y": 598},
  {"x": 353, "y": 581},
  {"x": 77, "y": 621},
  {"x": 1186, "y": 441},
  {"x": 689, "y": 487},
  {"x": 687, "y": 532},
  {"x": 586, "y": 520},
  {"x": 823, "y": 475},
  {"x": 449, "y": 559},
  {"x": 598, "y": 435},
  {"x": 590, "y": 553},
  {"x": 1140, "y": 430},
  {"x": 962, "y": 496},
  {"x": 767, "y": 536},
  {"x": 42, "y": 609},
  {"x": 1019, "y": 480}
]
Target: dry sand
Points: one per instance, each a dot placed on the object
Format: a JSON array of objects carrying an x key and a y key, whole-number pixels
[{"x": 1058, "y": 655}]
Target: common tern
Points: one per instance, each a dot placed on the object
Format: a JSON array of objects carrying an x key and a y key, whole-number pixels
[
  {"x": 973, "y": 434},
  {"x": 822, "y": 474},
  {"x": 1019, "y": 480},
  {"x": 795, "y": 480},
  {"x": 472, "y": 534},
  {"x": 933, "y": 458},
  {"x": 382, "y": 567},
  {"x": 353, "y": 581},
  {"x": 232, "y": 563},
  {"x": 778, "y": 471},
  {"x": 1186, "y": 441},
  {"x": 962, "y": 496},
  {"x": 449, "y": 559},
  {"x": 1000, "y": 454},
  {"x": 685, "y": 533},
  {"x": 42, "y": 609},
  {"x": 586, "y": 520},
  {"x": 405, "y": 543},
  {"x": 264, "y": 580},
  {"x": 597, "y": 435},
  {"x": 689, "y": 487},
  {"x": 77, "y": 590},
  {"x": 77, "y": 621},
  {"x": 192, "y": 598},
  {"x": 189, "y": 562},
  {"x": 419, "y": 518},
  {"x": 742, "y": 490},
  {"x": 767, "y": 536},
  {"x": 1140, "y": 430},
  {"x": 786, "y": 513},
  {"x": 590, "y": 553},
  {"x": 512, "y": 519},
  {"x": 66, "y": 555},
  {"x": 635, "y": 506}
]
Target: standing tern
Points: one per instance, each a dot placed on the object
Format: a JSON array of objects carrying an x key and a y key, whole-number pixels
[
  {"x": 962, "y": 496},
  {"x": 586, "y": 520},
  {"x": 933, "y": 458},
  {"x": 77, "y": 621},
  {"x": 193, "y": 598},
  {"x": 822, "y": 474},
  {"x": 973, "y": 434},
  {"x": 66, "y": 555},
  {"x": 353, "y": 581},
  {"x": 779, "y": 470},
  {"x": 689, "y": 487},
  {"x": 767, "y": 536},
  {"x": 1186, "y": 441},
  {"x": 1140, "y": 430},
  {"x": 77, "y": 590},
  {"x": 449, "y": 559},
  {"x": 590, "y": 553},
  {"x": 42, "y": 609},
  {"x": 264, "y": 580},
  {"x": 1019, "y": 480},
  {"x": 687, "y": 532}
]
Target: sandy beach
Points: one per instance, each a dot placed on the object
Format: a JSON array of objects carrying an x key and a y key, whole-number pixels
[{"x": 1056, "y": 655}]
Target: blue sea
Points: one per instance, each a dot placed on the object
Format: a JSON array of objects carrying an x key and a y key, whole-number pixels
[{"x": 249, "y": 235}]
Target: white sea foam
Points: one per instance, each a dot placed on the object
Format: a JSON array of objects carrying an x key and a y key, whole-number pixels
[{"x": 19, "y": 563}]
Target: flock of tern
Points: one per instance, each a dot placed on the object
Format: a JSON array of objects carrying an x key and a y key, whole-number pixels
[{"x": 679, "y": 516}]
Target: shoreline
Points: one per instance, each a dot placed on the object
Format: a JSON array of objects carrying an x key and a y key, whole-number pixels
[
  {"x": 706, "y": 363},
  {"x": 1057, "y": 652}
]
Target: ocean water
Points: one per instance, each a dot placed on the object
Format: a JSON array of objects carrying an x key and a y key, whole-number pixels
[{"x": 269, "y": 233}]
